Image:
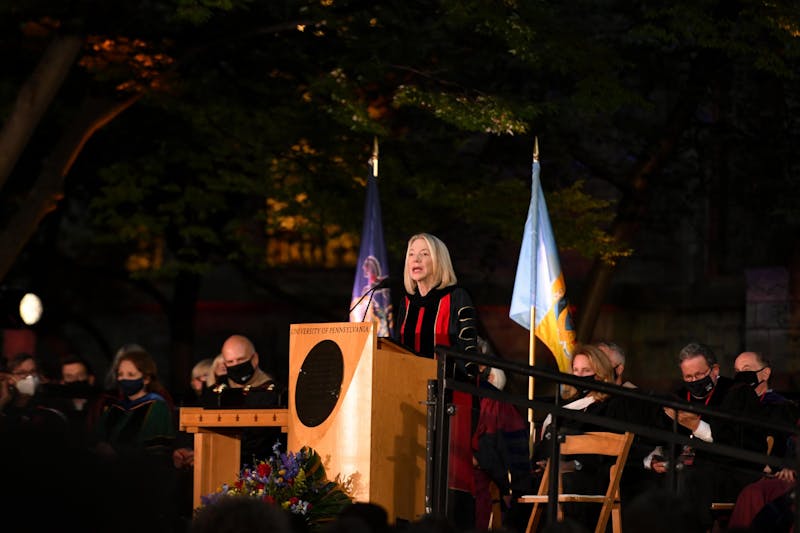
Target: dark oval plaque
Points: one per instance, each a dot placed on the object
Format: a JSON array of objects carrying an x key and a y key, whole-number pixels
[{"x": 319, "y": 383}]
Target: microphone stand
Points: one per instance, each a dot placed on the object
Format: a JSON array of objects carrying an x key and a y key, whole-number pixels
[
  {"x": 371, "y": 292},
  {"x": 369, "y": 302}
]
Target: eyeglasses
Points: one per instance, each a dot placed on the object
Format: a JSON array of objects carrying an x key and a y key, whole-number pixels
[{"x": 697, "y": 377}]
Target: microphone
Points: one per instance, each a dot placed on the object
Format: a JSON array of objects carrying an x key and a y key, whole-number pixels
[{"x": 382, "y": 284}]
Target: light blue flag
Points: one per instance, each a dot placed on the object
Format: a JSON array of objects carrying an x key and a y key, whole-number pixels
[
  {"x": 540, "y": 283},
  {"x": 372, "y": 267}
]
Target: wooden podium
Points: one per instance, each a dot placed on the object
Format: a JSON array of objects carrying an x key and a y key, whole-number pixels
[
  {"x": 217, "y": 440},
  {"x": 360, "y": 402}
]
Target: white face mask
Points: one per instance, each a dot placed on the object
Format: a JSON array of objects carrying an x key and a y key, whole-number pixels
[{"x": 28, "y": 385}]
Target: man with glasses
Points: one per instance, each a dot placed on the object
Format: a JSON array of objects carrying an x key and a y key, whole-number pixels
[
  {"x": 19, "y": 384},
  {"x": 20, "y": 400},
  {"x": 704, "y": 476}
]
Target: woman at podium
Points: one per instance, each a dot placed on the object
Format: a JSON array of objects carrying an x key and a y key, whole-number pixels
[{"x": 436, "y": 311}]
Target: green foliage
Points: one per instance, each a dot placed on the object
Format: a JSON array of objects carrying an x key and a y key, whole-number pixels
[
  {"x": 259, "y": 116},
  {"x": 481, "y": 113},
  {"x": 198, "y": 12},
  {"x": 579, "y": 221}
]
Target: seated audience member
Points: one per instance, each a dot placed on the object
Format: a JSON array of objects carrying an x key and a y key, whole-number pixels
[
  {"x": 706, "y": 477},
  {"x": 582, "y": 474},
  {"x": 218, "y": 377},
  {"x": 589, "y": 364},
  {"x": 767, "y": 498},
  {"x": 135, "y": 434},
  {"x": 753, "y": 369},
  {"x": 78, "y": 379},
  {"x": 616, "y": 356},
  {"x": 766, "y": 504},
  {"x": 110, "y": 392},
  {"x": 247, "y": 387},
  {"x": 75, "y": 395},
  {"x": 110, "y": 380},
  {"x": 255, "y": 389},
  {"x": 198, "y": 382},
  {"x": 22, "y": 378},
  {"x": 21, "y": 400},
  {"x": 141, "y": 419}
]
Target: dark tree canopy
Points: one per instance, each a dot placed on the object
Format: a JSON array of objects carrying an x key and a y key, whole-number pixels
[{"x": 238, "y": 131}]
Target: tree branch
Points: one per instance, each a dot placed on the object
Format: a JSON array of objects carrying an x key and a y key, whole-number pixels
[
  {"x": 34, "y": 98},
  {"x": 48, "y": 188}
]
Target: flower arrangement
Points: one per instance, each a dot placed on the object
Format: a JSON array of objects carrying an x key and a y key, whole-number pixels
[{"x": 295, "y": 481}]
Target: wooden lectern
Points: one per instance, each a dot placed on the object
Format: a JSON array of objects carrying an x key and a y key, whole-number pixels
[
  {"x": 217, "y": 440},
  {"x": 360, "y": 402}
]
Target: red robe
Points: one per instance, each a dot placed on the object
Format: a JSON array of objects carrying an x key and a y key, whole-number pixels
[{"x": 445, "y": 317}]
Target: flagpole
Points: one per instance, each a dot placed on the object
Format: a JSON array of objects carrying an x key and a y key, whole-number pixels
[
  {"x": 531, "y": 362},
  {"x": 374, "y": 158},
  {"x": 532, "y": 344}
]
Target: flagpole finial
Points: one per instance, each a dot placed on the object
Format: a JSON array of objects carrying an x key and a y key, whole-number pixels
[
  {"x": 374, "y": 159},
  {"x": 536, "y": 148}
]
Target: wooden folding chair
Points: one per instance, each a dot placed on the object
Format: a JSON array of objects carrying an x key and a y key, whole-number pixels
[
  {"x": 615, "y": 445},
  {"x": 496, "y": 519}
]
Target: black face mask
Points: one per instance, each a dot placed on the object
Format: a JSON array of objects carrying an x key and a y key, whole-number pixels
[
  {"x": 748, "y": 377},
  {"x": 131, "y": 386},
  {"x": 77, "y": 389},
  {"x": 701, "y": 387},
  {"x": 242, "y": 372},
  {"x": 581, "y": 391}
]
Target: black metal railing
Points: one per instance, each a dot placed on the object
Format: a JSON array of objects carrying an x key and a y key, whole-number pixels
[{"x": 440, "y": 392}]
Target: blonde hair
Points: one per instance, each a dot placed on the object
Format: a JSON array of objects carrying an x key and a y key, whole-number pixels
[
  {"x": 603, "y": 371},
  {"x": 203, "y": 366},
  {"x": 443, "y": 274},
  {"x": 211, "y": 379}
]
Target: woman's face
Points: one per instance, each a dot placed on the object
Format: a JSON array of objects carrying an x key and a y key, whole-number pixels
[
  {"x": 581, "y": 365},
  {"x": 127, "y": 370},
  {"x": 420, "y": 263}
]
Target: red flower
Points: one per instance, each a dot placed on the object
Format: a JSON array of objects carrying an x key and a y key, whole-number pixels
[
  {"x": 269, "y": 499},
  {"x": 293, "y": 500},
  {"x": 259, "y": 485},
  {"x": 238, "y": 484},
  {"x": 264, "y": 469}
]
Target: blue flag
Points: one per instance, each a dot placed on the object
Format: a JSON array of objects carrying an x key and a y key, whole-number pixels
[
  {"x": 540, "y": 283},
  {"x": 372, "y": 267}
]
